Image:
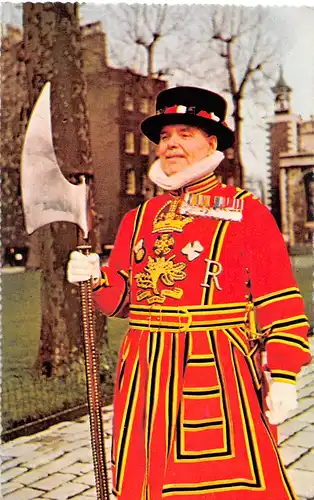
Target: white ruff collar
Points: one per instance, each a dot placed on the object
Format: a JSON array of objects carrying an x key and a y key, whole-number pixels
[{"x": 186, "y": 176}]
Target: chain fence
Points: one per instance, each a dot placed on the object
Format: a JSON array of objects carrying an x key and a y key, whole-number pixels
[{"x": 32, "y": 402}]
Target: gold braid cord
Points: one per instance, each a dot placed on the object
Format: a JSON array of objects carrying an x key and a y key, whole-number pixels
[{"x": 93, "y": 386}]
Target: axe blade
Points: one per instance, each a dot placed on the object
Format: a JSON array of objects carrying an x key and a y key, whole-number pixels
[{"x": 46, "y": 194}]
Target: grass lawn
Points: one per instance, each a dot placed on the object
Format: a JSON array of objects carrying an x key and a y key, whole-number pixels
[
  {"x": 24, "y": 395},
  {"x": 21, "y": 322},
  {"x": 303, "y": 267},
  {"x": 20, "y": 343}
]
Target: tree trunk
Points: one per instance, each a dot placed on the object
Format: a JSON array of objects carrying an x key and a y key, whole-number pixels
[
  {"x": 150, "y": 59},
  {"x": 151, "y": 188},
  {"x": 237, "y": 146},
  {"x": 53, "y": 53}
]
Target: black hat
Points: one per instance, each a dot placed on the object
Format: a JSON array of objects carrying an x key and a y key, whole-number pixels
[{"x": 191, "y": 106}]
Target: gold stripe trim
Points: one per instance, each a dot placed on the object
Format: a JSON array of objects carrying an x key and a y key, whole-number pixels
[
  {"x": 291, "y": 342},
  {"x": 285, "y": 372},
  {"x": 206, "y": 308},
  {"x": 273, "y": 294},
  {"x": 275, "y": 325},
  {"x": 122, "y": 454},
  {"x": 136, "y": 229}
]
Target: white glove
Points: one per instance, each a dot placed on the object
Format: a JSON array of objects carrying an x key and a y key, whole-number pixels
[
  {"x": 281, "y": 398},
  {"x": 82, "y": 267}
]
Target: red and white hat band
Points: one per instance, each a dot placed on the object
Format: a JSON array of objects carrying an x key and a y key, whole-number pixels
[{"x": 188, "y": 110}]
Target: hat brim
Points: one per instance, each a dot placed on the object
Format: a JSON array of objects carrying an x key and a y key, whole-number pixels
[{"x": 151, "y": 127}]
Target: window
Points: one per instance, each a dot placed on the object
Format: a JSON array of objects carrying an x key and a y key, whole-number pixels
[
  {"x": 130, "y": 182},
  {"x": 128, "y": 102},
  {"x": 144, "y": 105},
  {"x": 144, "y": 145},
  {"x": 309, "y": 193},
  {"x": 144, "y": 183},
  {"x": 281, "y": 103},
  {"x": 129, "y": 142},
  {"x": 229, "y": 153},
  {"x": 147, "y": 187}
]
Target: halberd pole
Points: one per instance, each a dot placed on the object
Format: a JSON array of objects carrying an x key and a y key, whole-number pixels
[
  {"x": 48, "y": 197},
  {"x": 93, "y": 385}
]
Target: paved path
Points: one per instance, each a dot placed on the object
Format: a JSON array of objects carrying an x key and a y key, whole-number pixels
[{"x": 56, "y": 464}]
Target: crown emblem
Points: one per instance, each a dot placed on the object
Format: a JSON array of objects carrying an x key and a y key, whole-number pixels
[{"x": 169, "y": 219}]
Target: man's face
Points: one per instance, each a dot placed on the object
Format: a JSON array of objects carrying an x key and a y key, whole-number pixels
[{"x": 180, "y": 146}]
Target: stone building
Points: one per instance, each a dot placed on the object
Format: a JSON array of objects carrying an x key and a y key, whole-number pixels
[
  {"x": 117, "y": 101},
  {"x": 291, "y": 186}
]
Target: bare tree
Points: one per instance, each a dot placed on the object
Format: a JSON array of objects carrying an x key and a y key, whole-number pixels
[
  {"x": 236, "y": 48},
  {"x": 137, "y": 31},
  {"x": 138, "y": 36},
  {"x": 246, "y": 42}
]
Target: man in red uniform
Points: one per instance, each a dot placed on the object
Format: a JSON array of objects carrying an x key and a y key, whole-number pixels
[{"x": 189, "y": 412}]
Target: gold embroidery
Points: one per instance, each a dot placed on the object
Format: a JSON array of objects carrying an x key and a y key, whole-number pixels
[
  {"x": 176, "y": 293},
  {"x": 162, "y": 269},
  {"x": 139, "y": 251},
  {"x": 164, "y": 244},
  {"x": 169, "y": 219}
]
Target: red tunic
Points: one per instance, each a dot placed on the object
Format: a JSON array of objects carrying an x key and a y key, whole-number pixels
[{"x": 188, "y": 419}]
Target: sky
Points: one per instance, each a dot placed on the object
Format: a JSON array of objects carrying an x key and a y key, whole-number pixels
[{"x": 297, "y": 36}]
